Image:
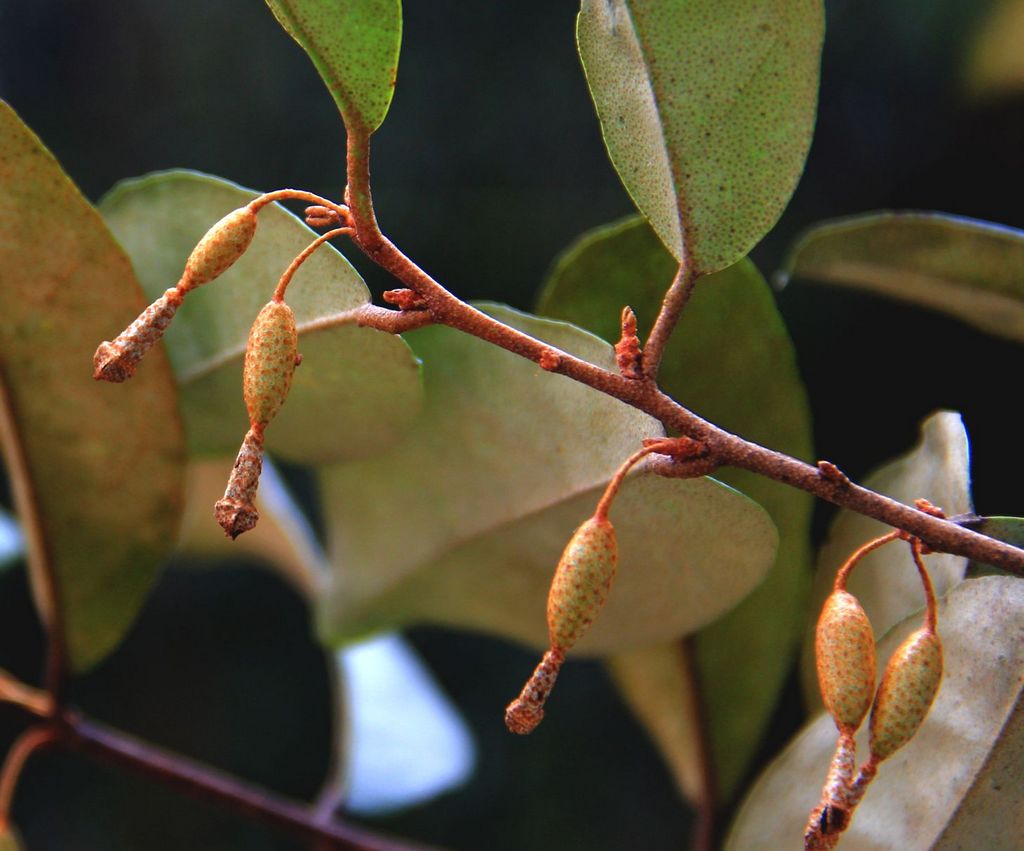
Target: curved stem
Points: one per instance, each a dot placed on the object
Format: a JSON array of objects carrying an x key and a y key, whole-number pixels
[
  {"x": 843, "y": 574},
  {"x": 931, "y": 615},
  {"x": 24, "y": 746},
  {"x": 723, "y": 447},
  {"x": 259, "y": 203},
  {"x": 610, "y": 492},
  {"x": 40, "y": 561},
  {"x": 304, "y": 255},
  {"x": 675, "y": 300}
]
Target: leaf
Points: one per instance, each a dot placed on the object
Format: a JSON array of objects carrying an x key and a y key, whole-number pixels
[
  {"x": 707, "y": 109},
  {"x": 1008, "y": 529},
  {"x": 656, "y": 684},
  {"x": 941, "y": 780},
  {"x": 464, "y": 521},
  {"x": 750, "y": 386},
  {"x": 357, "y": 389},
  {"x": 995, "y": 64},
  {"x": 964, "y": 267},
  {"x": 354, "y": 46},
  {"x": 97, "y": 468},
  {"x": 886, "y": 581}
]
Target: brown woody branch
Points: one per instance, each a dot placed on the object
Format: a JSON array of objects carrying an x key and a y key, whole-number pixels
[{"x": 725, "y": 448}]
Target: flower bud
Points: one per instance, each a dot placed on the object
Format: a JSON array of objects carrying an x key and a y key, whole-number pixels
[
  {"x": 235, "y": 511},
  {"x": 270, "y": 359},
  {"x": 844, "y": 646},
  {"x": 221, "y": 246},
  {"x": 909, "y": 684},
  {"x": 582, "y": 581}
]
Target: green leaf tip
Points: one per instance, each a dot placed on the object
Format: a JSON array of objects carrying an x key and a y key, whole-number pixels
[
  {"x": 354, "y": 47},
  {"x": 707, "y": 109}
]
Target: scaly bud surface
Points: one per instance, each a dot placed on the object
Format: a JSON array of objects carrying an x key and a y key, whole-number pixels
[
  {"x": 220, "y": 247},
  {"x": 582, "y": 581},
  {"x": 909, "y": 684},
  {"x": 844, "y": 646},
  {"x": 115, "y": 361},
  {"x": 270, "y": 359}
]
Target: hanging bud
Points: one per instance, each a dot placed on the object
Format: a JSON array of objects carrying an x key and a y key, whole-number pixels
[
  {"x": 582, "y": 581},
  {"x": 909, "y": 684},
  {"x": 271, "y": 356},
  {"x": 579, "y": 589},
  {"x": 844, "y": 646},
  {"x": 236, "y": 512},
  {"x": 115, "y": 360},
  {"x": 221, "y": 246}
]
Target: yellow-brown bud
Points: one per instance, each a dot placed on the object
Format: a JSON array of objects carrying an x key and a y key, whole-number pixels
[
  {"x": 221, "y": 246},
  {"x": 582, "y": 581},
  {"x": 270, "y": 359},
  {"x": 909, "y": 684},
  {"x": 844, "y": 646}
]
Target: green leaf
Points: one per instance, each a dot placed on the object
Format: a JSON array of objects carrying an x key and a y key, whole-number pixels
[
  {"x": 357, "y": 389},
  {"x": 970, "y": 269},
  {"x": 1008, "y": 529},
  {"x": 354, "y": 46},
  {"x": 750, "y": 386},
  {"x": 994, "y": 67},
  {"x": 960, "y": 772},
  {"x": 99, "y": 477},
  {"x": 707, "y": 109},
  {"x": 464, "y": 521},
  {"x": 886, "y": 581}
]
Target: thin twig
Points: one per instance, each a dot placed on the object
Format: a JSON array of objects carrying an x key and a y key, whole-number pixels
[
  {"x": 40, "y": 559},
  {"x": 24, "y": 746},
  {"x": 672, "y": 305},
  {"x": 707, "y": 804},
  {"x": 34, "y": 700},
  {"x": 114, "y": 747},
  {"x": 723, "y": 447}
]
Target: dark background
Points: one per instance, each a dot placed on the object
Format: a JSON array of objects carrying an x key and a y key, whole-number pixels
[{"x": 489, "y": 163}]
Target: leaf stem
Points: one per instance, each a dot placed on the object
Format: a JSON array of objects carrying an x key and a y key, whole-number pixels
[
  {"x": 293, "y": 267},
  {"x": 676, "y": 297},
  {"x": 706, "y": 830},
  {"x": 40, "y": 561},
  {"x": 724, "y": 448}
]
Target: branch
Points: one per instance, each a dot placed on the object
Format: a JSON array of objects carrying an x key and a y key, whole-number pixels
[
  {"x": 672, "y": 305},
  {"x": 724, "y": 448},
  {"x": 40, "y": 559},
  {"x": 114, "y": 747}
]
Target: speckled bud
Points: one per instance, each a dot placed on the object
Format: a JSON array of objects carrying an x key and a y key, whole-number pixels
[
  {"x": 221, "y": 246},
  {"x": 582, "y": 581},
  {"x": 908, "y": 687},
  {"x": 270, "y": 359},
  {"x": 844, "y": 646}
]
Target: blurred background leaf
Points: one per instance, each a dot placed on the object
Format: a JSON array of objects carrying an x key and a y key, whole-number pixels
[{"x": 97, "y": 469}]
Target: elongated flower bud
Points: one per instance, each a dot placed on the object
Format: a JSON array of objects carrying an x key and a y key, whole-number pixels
[
  {"x": 220, "y": 247},
  {"x": 235, "y": 511},
  {"x": 909, "y": 684},
  {"x": 844, "y": 646},
  {"x": 270, "y": 359},
  {"x": 579, "y": 589},
  {"x": 115, "y": 360},
  {"x": 582, "y": 581}
]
